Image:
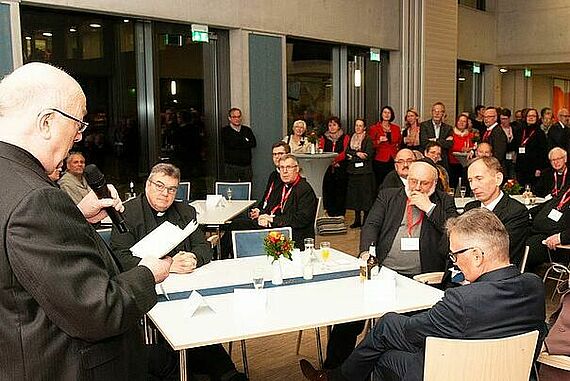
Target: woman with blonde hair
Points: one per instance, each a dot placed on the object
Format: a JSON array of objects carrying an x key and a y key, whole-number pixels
[
  {"x": 297, "y": 140},
  {"x": 411, "y": 133}
]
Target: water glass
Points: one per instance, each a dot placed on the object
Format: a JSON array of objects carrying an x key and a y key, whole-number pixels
[
  {"x": 258, "y": 278},
  {"x": 325, "y": 250},
  {"x": 463, "y": 191}
]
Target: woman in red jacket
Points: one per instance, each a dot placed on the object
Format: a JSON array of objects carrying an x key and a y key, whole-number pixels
[{"x": 386, "y": 138}]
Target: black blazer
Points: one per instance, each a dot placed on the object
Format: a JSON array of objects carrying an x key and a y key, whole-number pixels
[
  {"x": 545, "y": 183},
  {"x": 274, "y": 183},
  {"x": 386, "y": 215},
  {"x": 498, "y": 140},
  {"x": 351, "y": 158},
  {"x": 515, "y": 217},
  {"x": 558, "y": 136},
  {"x": 299, "y": 213},
  {"x": 392, "y": 180},
  {"x": 140, "y": 221},
  {"x": 66, "y": 311},
  {"x": 427, "y": 131}
]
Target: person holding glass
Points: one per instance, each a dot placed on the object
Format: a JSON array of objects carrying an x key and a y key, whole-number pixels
[
  {"x": 386, "y": 138},
  {"x": 334, "y": 181},
  {"x": 463, "y": 142},
  {"x": 297, "y": 140},
  {"x": 361, "y": 188},
  {"x": 411, "y": 133}
]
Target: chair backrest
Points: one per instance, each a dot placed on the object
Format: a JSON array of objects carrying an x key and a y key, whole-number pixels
[
  {"x": 183, "y": 192},
  {"x": 105, "y": 234},
  {"x": 240, "y": 191},
  {"x": 249, "y": 243},
  {"x": 318, "y": 213},
  {"x": 524, "y": 258},
  {"x": 506, "y": 359}
]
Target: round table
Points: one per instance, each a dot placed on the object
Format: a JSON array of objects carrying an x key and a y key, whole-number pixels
[{"x": 313, "y": 168}]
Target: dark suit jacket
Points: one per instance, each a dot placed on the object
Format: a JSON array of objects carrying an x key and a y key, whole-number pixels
[
  {"x": 274, "y": 183},
  {"x": 427, "y": 131},
  {"x": 140, "y": 221},
  {"x": 386, "y": 215},
  {"x": 392, "y": 180},
  {"x": 299, "y": 213},
  {"x": 498, "y": 140},
  {"x": 66, "y": 311},
  {"x": 515, "y": 217},
  {"x": 545, "y": 183},
  {"x": 498, "y": 304},
  {"x": 558, "y": 136}
]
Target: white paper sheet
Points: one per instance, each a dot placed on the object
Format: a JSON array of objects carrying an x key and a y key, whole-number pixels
[{"x": 162, "y": 240}]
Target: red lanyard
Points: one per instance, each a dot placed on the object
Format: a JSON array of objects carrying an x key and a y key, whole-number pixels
[
  {"x": 267, "y": 195},
  {"x": 285, "y": 195},
  {"x": 410, "y": 218},
  {"x": 564, "y": 200},
  {"x": 526, "y": 139},
  {"x": 486, "y": 134},
  {"x": 555, "y": 190}
]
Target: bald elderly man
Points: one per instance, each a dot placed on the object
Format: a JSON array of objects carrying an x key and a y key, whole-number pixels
[
  {"x": 66, "y": 310},
  {"x": 73, "y": 182},
  {"x": 408, "y": 228},
  {"x": 398, "y": 178},
  {"x": 555, "y": 178}
]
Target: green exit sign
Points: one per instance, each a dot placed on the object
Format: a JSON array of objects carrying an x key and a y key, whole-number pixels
[
  {"x": 527, "y": 73},
  {"x": 374, "y": 54},
  {"x": 200, "y": 33}
]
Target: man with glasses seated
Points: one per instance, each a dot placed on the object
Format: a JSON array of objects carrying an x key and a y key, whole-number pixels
[
  {"x": 407, "y": 228},
  {"x": 499, "y": 302},
  {"x": 553, "y": 179},
  {"x": 142, "y": 215},
  {"x": 398, "y": 177}
]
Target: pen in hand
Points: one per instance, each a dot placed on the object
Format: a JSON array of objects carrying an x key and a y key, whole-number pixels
[{"x": 161, "y": 285}]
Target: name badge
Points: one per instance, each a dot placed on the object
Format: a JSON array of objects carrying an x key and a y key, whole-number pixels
[
  {"x": 522, "y": 149},
  {"x": 359, "y": 165},
  {"x": 410, "y": 244},
  {"x": 510, "y": 155},
  {"x": 548, "y": 197},
  {"x": 554, "y": 215},
  {"x": 246, "y": 139}
]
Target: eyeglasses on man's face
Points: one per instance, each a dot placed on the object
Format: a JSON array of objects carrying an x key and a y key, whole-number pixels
[
  {"x": 82, "y": 125},
  {"x": 402, "y": 161},
  {"x": 160, "y": 187},
  {"x": 287, "y": 168},
  {"x": 453, "y": 254}
]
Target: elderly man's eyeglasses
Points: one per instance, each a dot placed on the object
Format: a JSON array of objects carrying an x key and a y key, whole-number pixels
[
  {"x": 82, "y": 125},
  {"x": 453, "y": 254},
  {"x": 161, "y": 187},
  {"x": 423, "y": 183},
  {"x": 402, "y": 161},
  {"x": 287, "y": 168}
]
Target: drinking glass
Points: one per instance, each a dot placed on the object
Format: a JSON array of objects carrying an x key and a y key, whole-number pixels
[
  {"x": 463, "y": 191},
  {"x": 451, "y": 192},
  {"x": 258, "y": 278},
  {"x": 309, "y": 247},
  {"x": 229, "y": 193},
  {"x": 325, "y": 250}
]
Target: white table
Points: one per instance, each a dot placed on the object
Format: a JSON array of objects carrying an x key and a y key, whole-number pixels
[
  {"x": 460, "y": 202},
  {"x": 289, "y": 308},
  {"x": 314, "y": 167}
]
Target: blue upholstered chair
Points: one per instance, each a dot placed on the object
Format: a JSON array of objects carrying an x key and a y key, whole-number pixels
[
  {"x": 249, "y": 243},
  {"x": 240, "y": 191},
  {"x": 183, "y": 192}
]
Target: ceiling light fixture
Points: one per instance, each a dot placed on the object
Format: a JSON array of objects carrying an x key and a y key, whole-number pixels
[
  {"x": 503, "y": 70},
  {"x": 95, "y": 25}
]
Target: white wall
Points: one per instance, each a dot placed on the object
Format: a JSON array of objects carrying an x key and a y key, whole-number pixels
[{"x": 373, "y": 23}]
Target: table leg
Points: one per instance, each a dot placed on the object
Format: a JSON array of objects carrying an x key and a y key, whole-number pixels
[
  {"x": 218, "y": 244},
  {"x": 319, "y": 347},
  {"x": 183, "y": 367},
  {"x": 244, "y": 358}
]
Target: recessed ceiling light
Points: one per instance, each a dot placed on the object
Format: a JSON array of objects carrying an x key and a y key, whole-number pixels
[
  {"x": 72, "y": 30},
  {"x": 503, "y": 70},
  {"x": 461, "y": 79},
  {"x": 95, "y": 25},
  {"x": 28, "y": 38},
  {"x": 47, "y": 34},
  {"x": 126, "y": 20}
]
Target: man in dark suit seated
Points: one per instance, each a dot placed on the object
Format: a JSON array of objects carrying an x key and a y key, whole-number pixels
[
  {"x": 553, "y": 179},
  {"x": 407, "y": 227},
  {"x": 297, "y": 205},
  {"x": 499, "y": 302},
  {"x": 485, "y": 178},
  {"x": 142, "y": 215},
  {"x": 398, "y": 177}
]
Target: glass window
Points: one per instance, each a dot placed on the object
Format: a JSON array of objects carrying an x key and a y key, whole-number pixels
[
  {"x": 469, "y": 87},
  {"x": 477, "y": 4},
  {"x": 98, "y": 51},
  {"x": 309, "y": 82}
]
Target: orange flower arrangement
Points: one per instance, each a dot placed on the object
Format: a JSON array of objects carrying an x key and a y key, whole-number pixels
[{"x": 277, "y": 245}]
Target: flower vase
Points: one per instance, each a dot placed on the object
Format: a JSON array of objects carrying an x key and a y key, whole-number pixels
[{"x": 276, "y": 274}]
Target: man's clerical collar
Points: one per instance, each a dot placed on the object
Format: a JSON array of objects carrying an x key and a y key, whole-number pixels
[{"x": 160, "y": 214}]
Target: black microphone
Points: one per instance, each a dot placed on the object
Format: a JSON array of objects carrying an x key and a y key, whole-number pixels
[{"x": 97, "y": 182}]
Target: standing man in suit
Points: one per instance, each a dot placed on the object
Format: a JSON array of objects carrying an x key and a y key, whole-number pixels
[
  {"x": 436, "y": 130},
  {"x": 485, "y": 177},
  {"x": 297, "y": 205},
  {"x": 494, "y": 135},
  {"x": 398, "y": 178},
  {"x": 238, "y": 141},
  {"x": 142, "y": 215},
  {"x": 67, "y": 312},
  {"x": 499, "y": 302},
  {"x": 407, "y": 228},
  {"x": 558, "y": 135}
]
